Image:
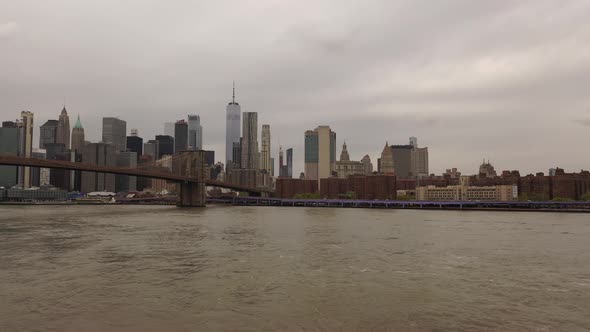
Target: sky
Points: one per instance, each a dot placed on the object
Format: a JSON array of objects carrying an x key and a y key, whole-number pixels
[{"x": 506, "y": 81}]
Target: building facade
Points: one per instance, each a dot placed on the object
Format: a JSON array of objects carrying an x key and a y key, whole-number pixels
[
  {"x": 180, "y": 136},
  {"x": 467, "y": 193},
  {"x": 402, "y": 160},
  {"x": 27, "y": 147},
  {"x": 151, "y": 149},
  {"x": 386, "y": 164},
  {"x": 99, "y": 154},
  {"x": 63, "y": 129},
  {"x": 486, "y": 169},
  {"x": 135, "y": 143},
  {"x": 289, "y": 163},
  {"x": 169, "y": 129},
  {"x": 127, "y": 159},
  {"x": 265, "y": 149},
  {"x": 114, "y": 132},
  {"x": 10, "y": 144},
  {"x": 233, "y": 116},
  {"x": 165, "y": 145},
  {"x": 320, "y": 153},
  {"x": 195, "y": 132},
  {"x": 78, "y": 137},
  {"x": 367, "y": 165},
  {"x": 249, "y": 142},
  {"x": 47, "y": 133},
  {"x": 346, "y": 167}
]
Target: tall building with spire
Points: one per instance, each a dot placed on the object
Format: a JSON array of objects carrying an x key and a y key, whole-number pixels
[
  {"x": 265, "y": 164},
  {"x": 232, "y": 127},
  {"x": 63, "y": 129},
  {"x": 78, "y": 137}
]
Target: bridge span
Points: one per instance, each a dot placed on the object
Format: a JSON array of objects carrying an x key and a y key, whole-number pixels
[{"x": 188, "y": 172}]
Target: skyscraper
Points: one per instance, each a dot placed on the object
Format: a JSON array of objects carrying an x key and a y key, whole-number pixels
[
  {"x": 250, "y": 154},
  {"x": 402, "y": 160},
  {"x": 265, "y": 149},
  {"x": 180, "y": 136},
  {"x": 135, "y": 143},
  {"x": 195, "y": 132},
  {"x": 151, "y": 149},
  {"x": 320, "y": 153},
  {"x": 419, "y": 158},
  {"x": 103, "y": 155},
  {"x": 48, "y": 133},
  {"x": 10, "y": 144},
  {"x": 236, "y": 155},
  {"x": 58, "y": 177},
  {"x": 127, "y": 183},
  {"x": 27, "y": 147},
  {"x": 165, "y": 145},
  {"x": 386, "y": 164},
  {"x": 78, "y": 137},
  {"x": 232, "y": 127},
  {"x": 169, "y": 129},
  {"x": 289, "y": 163},
  {"x": 282, "y": 166},
  {"x": 114, "y": 131},
  {"x": 63, "y": 129}
]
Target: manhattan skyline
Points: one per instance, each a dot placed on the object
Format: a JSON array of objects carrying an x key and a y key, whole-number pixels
[{"x": 501, "y": 81}]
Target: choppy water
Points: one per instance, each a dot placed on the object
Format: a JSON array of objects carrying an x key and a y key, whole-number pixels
[{"x": 143, "y": 268}]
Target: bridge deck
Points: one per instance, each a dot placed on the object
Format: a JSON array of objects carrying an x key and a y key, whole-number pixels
[{"x": 148, "y": 173}]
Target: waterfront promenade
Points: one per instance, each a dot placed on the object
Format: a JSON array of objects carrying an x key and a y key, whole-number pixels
[{"x": 573, "y": 206}]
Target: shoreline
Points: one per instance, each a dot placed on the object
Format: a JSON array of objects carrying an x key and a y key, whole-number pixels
[{"x": 410, "y": 205}]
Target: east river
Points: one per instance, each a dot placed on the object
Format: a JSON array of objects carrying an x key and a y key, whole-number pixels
[{"x": 154, "y": 268}]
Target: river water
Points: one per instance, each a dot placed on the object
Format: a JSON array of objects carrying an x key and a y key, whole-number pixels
[{"x": 154, "y": 268}]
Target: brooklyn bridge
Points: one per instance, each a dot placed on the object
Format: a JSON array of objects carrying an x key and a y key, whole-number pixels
[{"x": 187, "y": 171}]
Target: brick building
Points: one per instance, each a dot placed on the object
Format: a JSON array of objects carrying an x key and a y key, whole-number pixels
[
  {"x": 288, "y": 188},
  {"x": 378, "y": 186}
]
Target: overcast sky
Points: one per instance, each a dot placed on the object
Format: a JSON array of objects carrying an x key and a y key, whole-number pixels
[{"x": 504, "y": 80}]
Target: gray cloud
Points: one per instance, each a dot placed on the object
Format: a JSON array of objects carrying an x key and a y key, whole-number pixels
[
  {"x": 495, "y": 79},
  {"x": 7, "y": 29}
]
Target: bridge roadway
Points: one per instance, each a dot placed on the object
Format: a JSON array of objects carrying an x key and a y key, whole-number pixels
[{"x": 148, "y": 173}]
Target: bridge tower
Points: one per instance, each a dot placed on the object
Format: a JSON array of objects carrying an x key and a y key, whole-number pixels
[{"x": 191, "y": 164}]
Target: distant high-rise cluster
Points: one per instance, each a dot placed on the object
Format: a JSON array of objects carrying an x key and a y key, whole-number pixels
[{"x": 249, "y": 162}]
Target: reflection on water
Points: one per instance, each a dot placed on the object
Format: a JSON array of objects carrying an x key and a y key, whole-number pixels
[{"x": 148, "y": 268}]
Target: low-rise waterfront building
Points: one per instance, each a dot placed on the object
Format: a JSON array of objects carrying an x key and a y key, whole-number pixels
[
  {"x": 33, "y": 194},
  {"x": 467, "y": 193}
]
